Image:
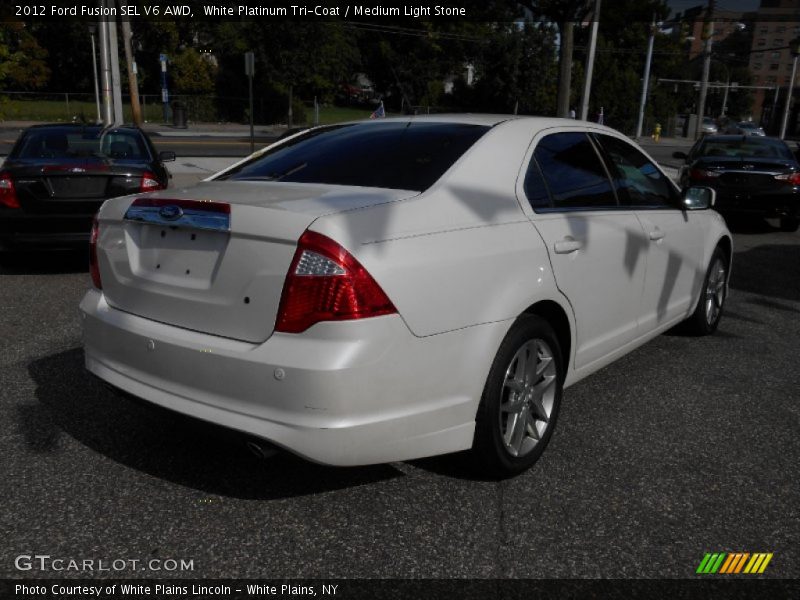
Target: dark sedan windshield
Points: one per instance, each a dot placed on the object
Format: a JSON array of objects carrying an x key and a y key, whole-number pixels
[
  {"x": 745, "y": 148},
  {"x": 403, "y": 155},
  {"x": 81, "y": 142}
]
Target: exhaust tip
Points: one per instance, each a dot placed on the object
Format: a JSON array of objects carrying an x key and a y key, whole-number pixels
[{"x": 261, "y": 450}]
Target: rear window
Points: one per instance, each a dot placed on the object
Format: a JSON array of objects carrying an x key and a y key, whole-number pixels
[
  {"x": 72, "y": 142},
  {"x": 747, "y": 148},
  {"x": 399, "y": 155}
]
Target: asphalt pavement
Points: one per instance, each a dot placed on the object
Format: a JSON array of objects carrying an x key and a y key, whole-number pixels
[{"x": 683, "y": 447}]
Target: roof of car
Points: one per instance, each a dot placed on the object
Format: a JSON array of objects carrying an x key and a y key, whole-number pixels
[{"x": 489, "y": 120}]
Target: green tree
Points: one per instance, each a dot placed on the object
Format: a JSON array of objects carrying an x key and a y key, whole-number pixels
[
  {"x": 23, "y": 63},
  {"x": 192, "y": 73}
]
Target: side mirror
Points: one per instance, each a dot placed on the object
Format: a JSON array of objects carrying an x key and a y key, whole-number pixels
[
  {"x": 698, "y": 198},
  {"x": 681, "y": 155},
  {"x": 166, "y": 156}
]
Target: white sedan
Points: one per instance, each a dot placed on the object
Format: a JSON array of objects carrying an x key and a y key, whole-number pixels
[{"x": 399, "y": 288}]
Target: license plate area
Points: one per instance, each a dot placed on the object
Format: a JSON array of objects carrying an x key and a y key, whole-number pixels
[
  {"x": 175, "y": 256},
  {"x": 78, "y": 187}
]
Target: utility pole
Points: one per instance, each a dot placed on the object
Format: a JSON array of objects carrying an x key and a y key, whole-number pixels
[
  {"x": 105, "y": 74},
  {"x": 646, "y": 79},
  {"x": 133, "y": 84},
  {"x": 249, "y": 70},
  {"x": 587, "y": 82},
  {"x": 708, "y": 32},
  {"x": 566, "y": 29},
  {"x": 116, "y": 82},
  {"x": 794, "y": 45}
]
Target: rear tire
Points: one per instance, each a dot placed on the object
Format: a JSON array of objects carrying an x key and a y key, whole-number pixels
[
  {"x": 790, "y": 224},
  {"x": 521, "y": 400},
  {"x": 706, "y": 316}
]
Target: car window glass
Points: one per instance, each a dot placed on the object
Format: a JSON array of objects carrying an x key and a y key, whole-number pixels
[
  {"x": 82, "y": 143},
  {"x": 745, "y": 148},
  {"x": 403, "y": 155},
  {"x": 535, "y": 187},
  {"x": 638, "y": 181},
  {"x": 573, "y": 171}
]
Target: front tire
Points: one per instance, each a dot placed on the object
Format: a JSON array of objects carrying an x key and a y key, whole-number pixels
[
  {"x": 521, "y": 400},
  {"x": 706, "y": 316}
]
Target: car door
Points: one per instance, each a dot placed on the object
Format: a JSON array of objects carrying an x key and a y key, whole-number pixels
[
  {"x": 596, "y": 247},
  {"x": 674, "y": 237}
]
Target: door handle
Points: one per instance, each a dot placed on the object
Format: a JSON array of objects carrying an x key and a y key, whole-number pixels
[
  {"x": 567, "y": 245},
  {"x": 656, "y": 235}
]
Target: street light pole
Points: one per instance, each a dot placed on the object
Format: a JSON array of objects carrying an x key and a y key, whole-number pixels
[
  {"x": 92, "y": 31},
  {"x": 646, "y": 79},
  {"x": 708, "y": 32},
  {"x": 587, "y": 81},
  {"x": 794, "y": 45}
]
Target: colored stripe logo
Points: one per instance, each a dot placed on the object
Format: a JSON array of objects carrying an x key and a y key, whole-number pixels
[{"x": 734, "y": 562}]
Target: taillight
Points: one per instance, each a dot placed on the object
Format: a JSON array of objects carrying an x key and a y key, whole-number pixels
[
  {"x": 149, "y": 183},
  {"x": 8, "y": 193},
  {"x": 326, "y": 283},
  {"x": 790, "y": 178},
  {"x": 703, "y": 174},
  {"x": 94, "y": 269}
]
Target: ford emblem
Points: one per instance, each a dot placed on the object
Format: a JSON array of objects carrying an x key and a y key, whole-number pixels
[{"x": 171, "y": 212}]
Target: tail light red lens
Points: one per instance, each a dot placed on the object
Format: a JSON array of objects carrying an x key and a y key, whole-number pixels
[
  {"x": 8, "y": 193},
  {"x": 326, "y": 283},
  {"x": 94, "y": 269},
  {"x": 702, "y": 174},
  {"x": 790, "y": 178},
  {"x": 149, "y": 183}
]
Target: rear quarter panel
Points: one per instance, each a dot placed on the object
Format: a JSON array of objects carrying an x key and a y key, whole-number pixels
[{"x": 460, "y": 254}]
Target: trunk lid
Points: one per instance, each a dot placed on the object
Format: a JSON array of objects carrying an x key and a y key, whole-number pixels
[
  {"x": 220, "y": 267},
  {"x": 72, "y": 185},
  {"x": 746, "y": 173}
]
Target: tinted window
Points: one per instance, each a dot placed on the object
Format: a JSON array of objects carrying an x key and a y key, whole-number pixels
[
  {"x": 401, "y": 155},
  {"x": 86, "y": 142},
  {"x": 638, "y": 181},
  {"x": 573, "y": 172},
  {"x": 535, "y": 188},
  {"x": 744, "y": 148}
]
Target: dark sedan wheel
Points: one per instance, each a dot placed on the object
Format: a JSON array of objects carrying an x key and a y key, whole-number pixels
[
  {"x": 521, "y": 399},
  {"x": 706, "y": 316},
  {"x": 789, "y": 224}
]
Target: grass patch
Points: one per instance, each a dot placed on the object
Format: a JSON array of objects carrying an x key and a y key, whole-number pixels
[{"x": 61, "y": 111}]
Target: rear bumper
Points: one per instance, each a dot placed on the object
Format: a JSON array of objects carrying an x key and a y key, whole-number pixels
[
  {"x": 765, "y": 205},
  {"x": 24, "y": 229},
  {"x": 348, "y": 393}
]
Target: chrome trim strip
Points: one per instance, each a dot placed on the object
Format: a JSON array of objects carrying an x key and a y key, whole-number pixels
[{"x": 191, "y": 218}]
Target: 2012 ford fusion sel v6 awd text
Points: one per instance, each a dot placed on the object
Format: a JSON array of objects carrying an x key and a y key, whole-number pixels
[{"x": 392, "y": 289}]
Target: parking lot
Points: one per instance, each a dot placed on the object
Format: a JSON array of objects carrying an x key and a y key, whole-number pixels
[{"x": 685, "y": 446}]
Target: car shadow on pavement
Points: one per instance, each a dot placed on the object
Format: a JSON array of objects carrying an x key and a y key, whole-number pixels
[
  {"x": 165, "y": 444},
  {"x": 771, "y": 270},
  {"x": 37, "y": 262}
]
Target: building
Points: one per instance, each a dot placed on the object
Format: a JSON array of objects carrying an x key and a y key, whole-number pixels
[
  {"x": 692, "y": 23},
  {"x": 777, "y": 24}
]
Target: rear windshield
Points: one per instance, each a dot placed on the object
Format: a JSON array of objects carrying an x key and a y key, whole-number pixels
[
  {"x": 739, "y": 148},
  {"x": 63, "y": 142},
  {"x": 399, "y": 155}
]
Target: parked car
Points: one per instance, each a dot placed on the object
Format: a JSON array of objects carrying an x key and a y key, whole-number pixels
[
  {"x": 709, "y": 126},
  {"x": 57, "y": 176},
  {"x": 386, "y": 290},
  {"x": 752, "y": 175},
  {"x": 744, "y": 128}
]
